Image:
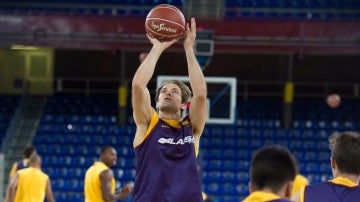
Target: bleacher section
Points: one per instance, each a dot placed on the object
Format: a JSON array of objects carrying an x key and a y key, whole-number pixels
[
  {"x": 293, "y": 9},
  {"x": 72, "y": 131},
  {"x": 74, "y": 128},
  {"x": 8, "y": 106}
]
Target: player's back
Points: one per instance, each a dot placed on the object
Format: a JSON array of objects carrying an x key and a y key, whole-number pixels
[
  {"x": 331, "y": 192},
  {"x": 31, "y": 186}
]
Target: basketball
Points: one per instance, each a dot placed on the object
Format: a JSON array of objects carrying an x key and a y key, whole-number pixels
[
  {"x": 165, "y": 23},
  {"x": 333, "y": 100}
]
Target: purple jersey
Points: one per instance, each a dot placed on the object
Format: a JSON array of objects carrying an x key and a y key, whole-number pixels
[
  {"x": 331, "y": 192},
  {"x": 22, "y": 164},
  {"x": 166, "y": 168}
]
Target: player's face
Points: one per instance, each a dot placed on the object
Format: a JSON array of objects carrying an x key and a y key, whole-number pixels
[
  {"x": 111, "y": 157},
  {"x": 170, "y": 97}
]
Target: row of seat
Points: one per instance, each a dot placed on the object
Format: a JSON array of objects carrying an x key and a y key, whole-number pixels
[
  {"x": 303, "y": 129},
  {"x": 295, "y": 4},
  {"x": 287, "y": 15},
  {"x": 335, "y": 4},
  {"x": 103, "y": 2}
]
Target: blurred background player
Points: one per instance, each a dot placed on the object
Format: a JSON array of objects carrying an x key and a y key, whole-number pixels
[
  {"x": 165, "y": 143},
  {"x": 345, "y": 164},
  {"x": 24, "y": 163},
  {"x": 30, "y": 184},
  {"x": 272, "y": 173},
  {"x": 99, "y": 179},
  {"x": 300, "y": 180}
]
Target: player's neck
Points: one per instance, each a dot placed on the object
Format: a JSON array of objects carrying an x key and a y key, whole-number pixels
[
  {"x": 35, "y": 166},
  {"x": 171, "y": 116},
  {"x": 353, "y": 178}
]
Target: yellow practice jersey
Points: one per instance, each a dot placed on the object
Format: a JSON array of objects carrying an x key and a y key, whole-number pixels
[
  {"x": 92, "y": 187},
  {"x": 299, "y": 182},
  {"x": 31, "y": 185}
]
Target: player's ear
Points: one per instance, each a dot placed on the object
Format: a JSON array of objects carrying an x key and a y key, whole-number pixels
[
  {"x": 332, "y": 163},
  {"x": 251, "y": 189},
  {"x": 288, "y": 189}
]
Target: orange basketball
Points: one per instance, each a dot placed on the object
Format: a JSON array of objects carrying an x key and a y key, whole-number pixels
[
  {"x": 165, "y": 23},
  {"x": 333, "y": 100}
]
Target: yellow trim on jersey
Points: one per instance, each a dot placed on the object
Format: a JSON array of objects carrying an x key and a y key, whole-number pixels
[
  {"x": 257, "y": 196},
  {"x": 153, "y": 121},
  {"x": 173, "y": 123},
  {"x": 344, "y": 181}
]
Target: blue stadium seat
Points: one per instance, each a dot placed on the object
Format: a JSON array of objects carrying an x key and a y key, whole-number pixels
[
  {"x": 213, "y": 165},
  {"x": 310, "y": 156},
  {"x": 243, "y": 176},
  {"x": 213, "y": 188},
  {"x": 76, "y": 197},
  {"x": 216, "y": 142},
  {"x": 229, "y": 176},
  {"x": 309, "y": 145},
  {"x": 229, "y": 189},
  {"x": 60, "y": 197}
]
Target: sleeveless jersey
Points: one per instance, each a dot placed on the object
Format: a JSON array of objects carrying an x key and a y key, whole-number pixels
[
  {"x": 166, "y": 168},
  {"x": 92, "y": 187},
  {"x": 259, "y": 196},
  {"x": 337, "y": 190},
  {"x": 31, "y": 185}
]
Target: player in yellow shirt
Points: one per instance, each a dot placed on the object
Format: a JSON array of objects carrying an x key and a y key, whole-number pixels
[
  {"x": 99, "y": 179},
  {"x": 30, "y": 184},
  {"x": 24, "y": 163}
]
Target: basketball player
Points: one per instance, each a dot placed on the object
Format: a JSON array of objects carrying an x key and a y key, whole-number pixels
[
  {"x": 272, "y": 173},
  {"x": 345, "y": 164},
  {"x": 165, "y": 143},
  {"x": 99, "y": 179},
  {"x": 30, "y": 184},
  {"x": 24, "y": 163}
]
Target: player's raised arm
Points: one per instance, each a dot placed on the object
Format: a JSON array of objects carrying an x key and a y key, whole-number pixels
[
  {"x": 141, "y": 101},
  {"x": 197, "y": 81}
]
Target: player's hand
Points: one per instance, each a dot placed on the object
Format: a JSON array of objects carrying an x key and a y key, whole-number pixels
[
  {"x": 161, "y": 45},
  {"x": 126, "y": 190},
  {"x": 190, "y": 34}
]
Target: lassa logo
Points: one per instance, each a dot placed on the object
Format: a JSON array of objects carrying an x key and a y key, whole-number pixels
[{"x": 187, "y": 139}]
